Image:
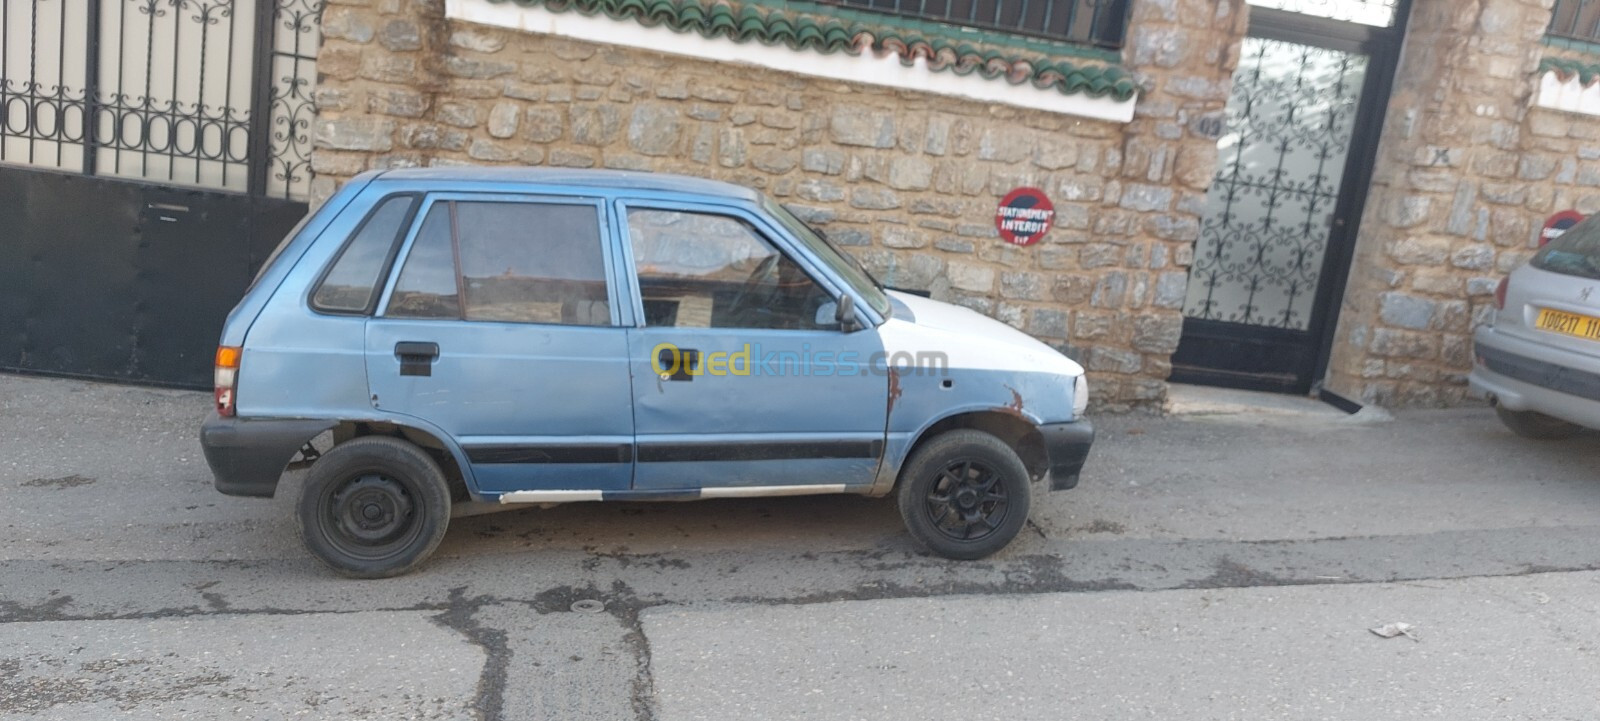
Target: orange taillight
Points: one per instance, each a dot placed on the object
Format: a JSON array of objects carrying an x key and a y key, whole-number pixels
[{"x": 225, "y": 378}]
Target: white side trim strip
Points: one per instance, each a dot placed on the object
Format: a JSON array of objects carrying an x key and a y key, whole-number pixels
[
  {"x": 733, "y": 492},
  {"x": 550, "y": 496},
  {"x": 886, "y": 71},
  {"x": 766, "y": 491}
]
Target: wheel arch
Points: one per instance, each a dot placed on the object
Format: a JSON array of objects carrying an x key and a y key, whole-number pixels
[
  {"x": 1013, "y": 429},
  {"x": 435, "y": 443}
]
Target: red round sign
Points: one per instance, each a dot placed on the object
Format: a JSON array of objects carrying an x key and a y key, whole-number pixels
[
  {"x": 1558, "y": 224},
  {"x": 1024, "y": 216}
]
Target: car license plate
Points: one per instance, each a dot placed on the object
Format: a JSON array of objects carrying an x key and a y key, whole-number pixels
[{"x": 1582, "y": 326}]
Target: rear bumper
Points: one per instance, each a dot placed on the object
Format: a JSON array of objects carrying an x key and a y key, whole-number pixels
[
  {"x": 1525, "y": 376},
  {"x": 248, "y": 456},
  {"x": 1067, "y": 445}
]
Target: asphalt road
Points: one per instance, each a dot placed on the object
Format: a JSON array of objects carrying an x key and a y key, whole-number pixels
[{"x": 1224, "y": 563}]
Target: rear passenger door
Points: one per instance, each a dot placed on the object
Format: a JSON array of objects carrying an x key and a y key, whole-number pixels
[{"x": 501, "y": 328}]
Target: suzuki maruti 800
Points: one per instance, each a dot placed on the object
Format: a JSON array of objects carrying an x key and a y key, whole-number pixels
[{"x": 446, "y": 338}]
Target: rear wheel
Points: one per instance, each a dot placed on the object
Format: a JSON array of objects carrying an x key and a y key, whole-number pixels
[
  {"x": 374, "y": 507},
  {"x": 964, "y": 494},
  {"x": 1537, "y": 426}
]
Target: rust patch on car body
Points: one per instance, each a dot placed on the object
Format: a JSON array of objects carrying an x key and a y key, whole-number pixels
[
  {"x": 1015, "y": 406},
  {"x": 894, "y": 387}
]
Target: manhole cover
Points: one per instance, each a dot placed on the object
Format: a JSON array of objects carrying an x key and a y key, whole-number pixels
[{"x": 588, "y": 605}]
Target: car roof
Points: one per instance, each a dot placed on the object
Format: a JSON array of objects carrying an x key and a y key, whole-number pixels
[{"x": 577, "y": 177}]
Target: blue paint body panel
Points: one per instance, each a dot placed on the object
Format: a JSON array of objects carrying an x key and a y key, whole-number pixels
[{"x": 531, "y": 406}]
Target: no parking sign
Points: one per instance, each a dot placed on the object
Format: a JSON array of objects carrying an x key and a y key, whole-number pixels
[
  {"x": 1558, "y": 224},
  {"x": 1024, "y": 216}
]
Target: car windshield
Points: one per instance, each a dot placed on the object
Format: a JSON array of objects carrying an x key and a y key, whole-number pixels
[
  {"x": 843, "y": 264},
  {"x": 1576, "y": 252}
]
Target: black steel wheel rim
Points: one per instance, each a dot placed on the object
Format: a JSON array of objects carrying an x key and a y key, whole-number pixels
[
  {"x": 967, "y": 500},
  {"x": 370, "y": 515}
]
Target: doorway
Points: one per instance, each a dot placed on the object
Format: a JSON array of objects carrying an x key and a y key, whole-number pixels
[{"x": 1282, "y": 214}]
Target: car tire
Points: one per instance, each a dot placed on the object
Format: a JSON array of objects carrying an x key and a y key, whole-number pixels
[
  {"x": 964, "y": 494},
  {"x": 373, "y": 507},
  {"x": 1538, "y": 426}
]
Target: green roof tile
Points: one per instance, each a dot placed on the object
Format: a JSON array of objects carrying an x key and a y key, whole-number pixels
[
  {"x": 803, "y": 32},
  {"x": 1566, "y": 67}
]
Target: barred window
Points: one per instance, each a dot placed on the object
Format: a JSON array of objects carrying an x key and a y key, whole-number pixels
[
  {"x": 1576, "y": 19},
  {"x": 1093, "y": 22}
]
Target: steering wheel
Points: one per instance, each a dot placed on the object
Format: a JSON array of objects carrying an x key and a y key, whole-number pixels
[{"x": 750, "y": 295}]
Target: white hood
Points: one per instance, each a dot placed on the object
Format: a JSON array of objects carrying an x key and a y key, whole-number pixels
[{"x": 970, "y": 339}]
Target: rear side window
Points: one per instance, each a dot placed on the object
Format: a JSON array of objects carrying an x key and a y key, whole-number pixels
[
  {"x": 506, "y": 262},
  {"x": 352, "y": 281},
  {"x": 1576, "y": 252}
]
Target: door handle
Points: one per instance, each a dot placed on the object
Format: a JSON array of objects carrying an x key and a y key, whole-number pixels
[
  {"x": 683, "y": 362},
  {"x": 416, "y": 357}
]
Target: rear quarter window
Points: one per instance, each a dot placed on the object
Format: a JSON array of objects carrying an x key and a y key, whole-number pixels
[
  {"x": 1576, "y": 252},
  {"x": 351, "y": 283}
]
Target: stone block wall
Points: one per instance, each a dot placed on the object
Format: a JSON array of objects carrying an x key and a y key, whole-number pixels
[
  {"x": 1467, "y": 173},
  {"x": 909, "y": 182}
]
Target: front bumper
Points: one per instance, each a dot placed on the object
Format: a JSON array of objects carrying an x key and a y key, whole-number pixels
[
  {"x": 248, "y": 456},
  {"x": 1067, "y": 445},
  {"x": 1525, "y": 376}
]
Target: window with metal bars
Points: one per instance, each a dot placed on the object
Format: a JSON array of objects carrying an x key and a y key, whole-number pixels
[
  {"x": 1576, "y": 19},
  {"x": 1102, "y": 23}
]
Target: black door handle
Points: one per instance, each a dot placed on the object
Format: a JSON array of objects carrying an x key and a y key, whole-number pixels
[
  {"x": 684, "y": 363},
  {"x": 416, "y": 358}
]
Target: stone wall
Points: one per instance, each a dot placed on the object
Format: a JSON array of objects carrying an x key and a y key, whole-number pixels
[
  {"x": 909, "y": 182},
  {"x": 1466, "y": 175}
]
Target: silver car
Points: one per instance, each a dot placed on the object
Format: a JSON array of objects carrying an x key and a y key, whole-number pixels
[{"x": 1539, "y": 363}]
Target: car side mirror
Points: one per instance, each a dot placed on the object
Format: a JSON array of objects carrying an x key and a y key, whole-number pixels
[{"x": 845, "y": 314}]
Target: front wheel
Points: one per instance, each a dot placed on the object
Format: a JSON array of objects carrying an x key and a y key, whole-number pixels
[
  {"x": 1537, "y": 426},
  {"x": 964, "y": 494},
  {"x": 374, "y": 507}
]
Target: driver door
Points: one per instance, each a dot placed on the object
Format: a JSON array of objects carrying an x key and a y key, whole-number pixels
[{"x": 742, "y": 376}]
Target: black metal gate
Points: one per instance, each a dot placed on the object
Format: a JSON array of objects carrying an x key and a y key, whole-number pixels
[
  {"x": 152, "y": 152},
  {"x": 1282, "y": 214}
]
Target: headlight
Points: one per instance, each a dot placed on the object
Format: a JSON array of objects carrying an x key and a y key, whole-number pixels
[{"x": 1080, "y": 396}]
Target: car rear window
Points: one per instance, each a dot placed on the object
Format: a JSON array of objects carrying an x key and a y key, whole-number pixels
[{"x": 1575, "y": 252}]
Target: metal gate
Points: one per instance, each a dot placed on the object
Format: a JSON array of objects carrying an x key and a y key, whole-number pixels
[
  {"x": 1275, "y": 245},
  {"x": 152, "y": 152}
]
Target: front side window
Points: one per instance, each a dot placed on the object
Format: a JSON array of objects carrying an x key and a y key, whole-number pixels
[
  {"x": 352, "y": 281},
  {"x": 843, "y": 264},
  {"x": 506, "y": 262},
  {"x": 702, "y": 270}
]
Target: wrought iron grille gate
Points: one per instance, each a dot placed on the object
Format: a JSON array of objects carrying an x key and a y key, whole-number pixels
[
  {"x": 151, "y": 151},
  {"x": 1290, "y": 122},
  {"x": 206, "y": 93},
  {"x": 1282, "y": 213}
]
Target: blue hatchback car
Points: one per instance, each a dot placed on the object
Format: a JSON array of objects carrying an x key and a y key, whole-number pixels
[{"x": 438, "y": 339}]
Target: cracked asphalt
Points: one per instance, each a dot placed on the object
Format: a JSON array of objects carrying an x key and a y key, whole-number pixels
[{"x": 1224, "y": 562}]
